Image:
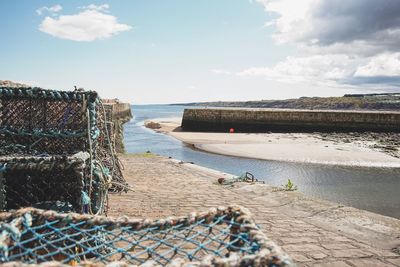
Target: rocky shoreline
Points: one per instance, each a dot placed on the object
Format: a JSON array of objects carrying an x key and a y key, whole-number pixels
[{"x": 387, "y": 143}]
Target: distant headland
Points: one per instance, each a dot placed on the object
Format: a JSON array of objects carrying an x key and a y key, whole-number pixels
[{"x": 377, "y": 101}]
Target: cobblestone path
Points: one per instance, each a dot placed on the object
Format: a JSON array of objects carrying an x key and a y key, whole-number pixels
[{"x": 163, "y": 188}]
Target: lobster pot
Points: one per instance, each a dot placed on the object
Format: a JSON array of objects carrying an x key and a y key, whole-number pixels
[
  {"x": 58, "y": 183},
  {"x": 35, "y": 121},
  {"x": 40, "y": 124},
  {"x": 219, "y": 237}
]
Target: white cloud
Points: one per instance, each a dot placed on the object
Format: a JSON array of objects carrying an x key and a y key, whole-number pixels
[
  {"x": 328, "y": 22},
  {"x": 316, "y": 69},
  {"x": 383, "y": 65},
  {"x": 220, "y": 71},
  {"x": 103, "y": 7},
  {"x": 339, "y": 42},
  {"x": 88, "y": 25},
  {"x": 52, "y": 10},
  {"x": 292, "y": 20}
]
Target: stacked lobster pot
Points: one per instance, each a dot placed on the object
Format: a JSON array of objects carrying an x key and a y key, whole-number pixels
[{"x": 55, "y": 151}]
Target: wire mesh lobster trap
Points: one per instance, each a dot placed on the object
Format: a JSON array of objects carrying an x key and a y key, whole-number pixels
[
  {"x": 219, "y": 237},
  {"x": 56, "y": 182},
  {"x": 38, "y": 125}
]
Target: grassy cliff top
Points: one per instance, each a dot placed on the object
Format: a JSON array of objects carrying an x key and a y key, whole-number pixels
[{"x": 347, "y": 102}]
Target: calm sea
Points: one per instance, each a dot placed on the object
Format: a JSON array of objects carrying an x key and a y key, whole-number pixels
[{"x": 373, "y": 189}]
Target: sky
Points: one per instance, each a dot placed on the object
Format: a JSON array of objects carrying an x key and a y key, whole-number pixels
[{"x": 170, "y": 51}]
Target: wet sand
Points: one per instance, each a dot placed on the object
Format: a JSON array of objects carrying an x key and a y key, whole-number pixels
[{"x": 315, "y": 148}]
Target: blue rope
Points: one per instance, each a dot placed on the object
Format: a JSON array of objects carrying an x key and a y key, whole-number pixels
[
  {"x": 3, "y": 167},
  {"x": 42, "y": 133},
  {"x": 49, "y": 94}
]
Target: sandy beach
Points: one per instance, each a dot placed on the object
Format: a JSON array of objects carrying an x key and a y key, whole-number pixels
[{"x": 292, "y": 147}]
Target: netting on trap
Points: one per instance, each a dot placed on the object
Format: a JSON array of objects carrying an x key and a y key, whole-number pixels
[
  {"x": 37, "y": 123},
  {"x": 219, "y": 237},
  {"x": 54, "y": 182}
]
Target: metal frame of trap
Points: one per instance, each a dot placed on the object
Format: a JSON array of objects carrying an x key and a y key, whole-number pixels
[{"x": 49, "y": 128}]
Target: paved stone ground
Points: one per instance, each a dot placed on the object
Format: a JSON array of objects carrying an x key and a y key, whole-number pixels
[{"x": 163, "y": 188}]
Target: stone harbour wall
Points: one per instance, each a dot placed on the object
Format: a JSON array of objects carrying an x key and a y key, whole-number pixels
[
  {"x": 283, "y": 120},
  {"x": 118, "y": 114}
]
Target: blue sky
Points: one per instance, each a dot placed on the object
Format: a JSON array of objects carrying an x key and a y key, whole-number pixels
[{"x": 164, "y": 51}]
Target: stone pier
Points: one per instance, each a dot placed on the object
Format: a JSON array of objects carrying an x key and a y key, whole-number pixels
[
  {"x": 285, "y": 120},
  {"x": 118, "y": 114}
]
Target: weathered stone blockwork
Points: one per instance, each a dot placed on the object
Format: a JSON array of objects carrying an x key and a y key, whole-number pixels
[
  {"x": 118, "y": 114},
  {"x": 281, "y": 120}
]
